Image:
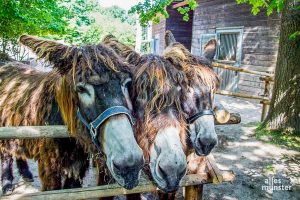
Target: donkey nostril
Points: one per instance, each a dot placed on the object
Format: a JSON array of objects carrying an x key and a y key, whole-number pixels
[{"x": 116, "y": 166}]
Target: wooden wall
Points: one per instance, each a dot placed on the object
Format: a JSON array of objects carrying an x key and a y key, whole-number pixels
[
  {"x": 260, "y": 37},
  {"x": 181, "y": 30}
]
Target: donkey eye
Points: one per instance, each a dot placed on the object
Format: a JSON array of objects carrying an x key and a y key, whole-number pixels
[
  {"x": 81, "y": 89},
  {"x": 127, "y": 82}
]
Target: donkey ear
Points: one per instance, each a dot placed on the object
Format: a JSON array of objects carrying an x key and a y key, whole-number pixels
[
  {"x": 169, "y": 38},
  {"x": 108, "y": 38},
  {"x": 210, "y": 49},
  {"x": 50, "y": 51}
]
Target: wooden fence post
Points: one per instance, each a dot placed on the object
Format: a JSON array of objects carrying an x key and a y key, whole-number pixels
[
  {"x": 194, "y": 192},
  {"x": 265, "y": 105}
]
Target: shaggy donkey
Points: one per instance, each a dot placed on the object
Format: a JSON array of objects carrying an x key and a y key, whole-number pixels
[
  {"x": 160, "y": 128},
  {"x": 197, "y": 98},
  {"x": 87, "y": 91},
  {"x": 196, "y": 94}
]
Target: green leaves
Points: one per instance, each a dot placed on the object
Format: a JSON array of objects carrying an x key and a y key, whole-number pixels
[
  {"x": 39, "y": 17},
  {"x": 269, "y": 5},
  {"x": 152, "y": 10}
]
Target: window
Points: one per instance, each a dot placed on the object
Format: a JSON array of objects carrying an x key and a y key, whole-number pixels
[
  {"x": 155, "y": 44},
  {"x": 229, "y": 44}
]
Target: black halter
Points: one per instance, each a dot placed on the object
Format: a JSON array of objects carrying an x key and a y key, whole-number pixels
[
  {"x": 94, "y": 125},
  {"x": 199, "y": 114}
]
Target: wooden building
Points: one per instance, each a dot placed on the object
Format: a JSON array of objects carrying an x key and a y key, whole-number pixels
[{"x": 244, "y": 40}]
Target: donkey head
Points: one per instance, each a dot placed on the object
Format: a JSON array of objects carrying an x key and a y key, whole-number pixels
[
  {"x": 197, "y": 97},
  {"x": 93, "y": 82},
  {"x": 160, "y": 129}
]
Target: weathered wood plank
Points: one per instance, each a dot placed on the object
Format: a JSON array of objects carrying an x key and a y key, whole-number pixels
[
  {"x": 115, "y": 189},
  {"x": 25, "y": 132},
  {"x": 238, "y": 69},
  {"x": 194, "y": 192},
  {"x": 177, "y": 5},
  {"x": 213, "y": 170},
  {"x": 236, "y": 94}
]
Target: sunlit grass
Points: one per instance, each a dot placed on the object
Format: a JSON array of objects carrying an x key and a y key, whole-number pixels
[{"x": 285, "y": 138}]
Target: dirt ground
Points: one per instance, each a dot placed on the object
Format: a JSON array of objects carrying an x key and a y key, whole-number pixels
[{"x": 253, "y": 161}]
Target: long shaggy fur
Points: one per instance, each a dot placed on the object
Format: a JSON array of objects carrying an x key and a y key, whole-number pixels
[
  {"x": 155, "y": 85},
  {"x": 29, "y": 97},
  {"x": 197, "y": 70}
]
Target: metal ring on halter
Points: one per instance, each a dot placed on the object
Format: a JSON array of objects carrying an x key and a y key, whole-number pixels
[{"x": 199, "y": 114}]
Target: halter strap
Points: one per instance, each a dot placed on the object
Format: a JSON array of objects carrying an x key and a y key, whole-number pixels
[
  {"x": 199, "y": 114},
  {"x": 94, "y": 125}
]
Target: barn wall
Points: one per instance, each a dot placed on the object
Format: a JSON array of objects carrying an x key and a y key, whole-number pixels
[
  {"x": 260, "y": 37},
  {"x": 181, "y": 30}
]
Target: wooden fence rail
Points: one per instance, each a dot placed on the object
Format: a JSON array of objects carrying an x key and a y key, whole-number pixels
[
  {"x": 238, "y": 69},
  {"x": 115, "y": 189},
  {"x": 27, "y": 132},
  {"x": 266, "y": 77}
]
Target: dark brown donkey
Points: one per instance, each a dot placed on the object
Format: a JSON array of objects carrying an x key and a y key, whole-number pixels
[
  {"x": 87, "y": 92},
  {"x": 196, "y": 95},
  {"x": 197, "y": 98},
  {"x": 160, "y": 128}
]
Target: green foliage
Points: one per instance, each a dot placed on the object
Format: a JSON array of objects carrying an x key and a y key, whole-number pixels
[
  {"x": 269, "y": 5},
  {"x": 104, "y": 21},
  {"x": 74, "y": 21},
  {"x": 286, "y": 138},
  {"x": 118, "y": 13},
  {"x": 294, "y": 35},
  {"x": 79, "y": 18},
  {"x": 152, "y": 10},
  {"x": 39, "y": 17}
]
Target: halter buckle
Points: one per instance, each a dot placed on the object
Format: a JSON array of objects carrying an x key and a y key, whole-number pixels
[{"x": 93, "y": 131}]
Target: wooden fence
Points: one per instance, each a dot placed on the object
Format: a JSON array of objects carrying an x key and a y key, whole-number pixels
[
  {"x": 264, "y": 99},
  {"x": 115, "y": 189},
  {"x": 193, "y": 183}
]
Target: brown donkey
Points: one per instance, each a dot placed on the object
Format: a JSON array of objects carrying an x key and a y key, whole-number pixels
[
  {"x": 198, "y": 97},
  {"x": 86, "y": 91},
  {"x": 160, "y": 128}
]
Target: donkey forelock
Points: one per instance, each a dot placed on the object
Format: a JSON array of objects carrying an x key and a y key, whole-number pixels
[
  {"x": 197, "y": 70},
  {"x": 156, "y": 84}
]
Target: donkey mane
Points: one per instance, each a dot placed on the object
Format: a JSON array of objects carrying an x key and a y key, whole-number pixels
[
  {"x": 157, "y": 76},
  {"x": 85, "y": 58},
  {"x": 197, "y": 70},
  {"x": 27, "y": 96}
]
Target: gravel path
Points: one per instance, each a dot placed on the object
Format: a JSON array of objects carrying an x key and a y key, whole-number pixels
[{"x": 252, "y": 160}]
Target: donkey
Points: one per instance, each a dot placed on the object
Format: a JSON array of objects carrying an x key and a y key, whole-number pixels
[
  {"x": 160, "y": 128},
  {"x": 197, "y": 97},
  {"x": 86, "y": 91},
  {"x": 197, "y": 107}
]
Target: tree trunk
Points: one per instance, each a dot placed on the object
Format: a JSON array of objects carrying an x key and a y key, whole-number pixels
[{"x": 284, "y": 113}]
